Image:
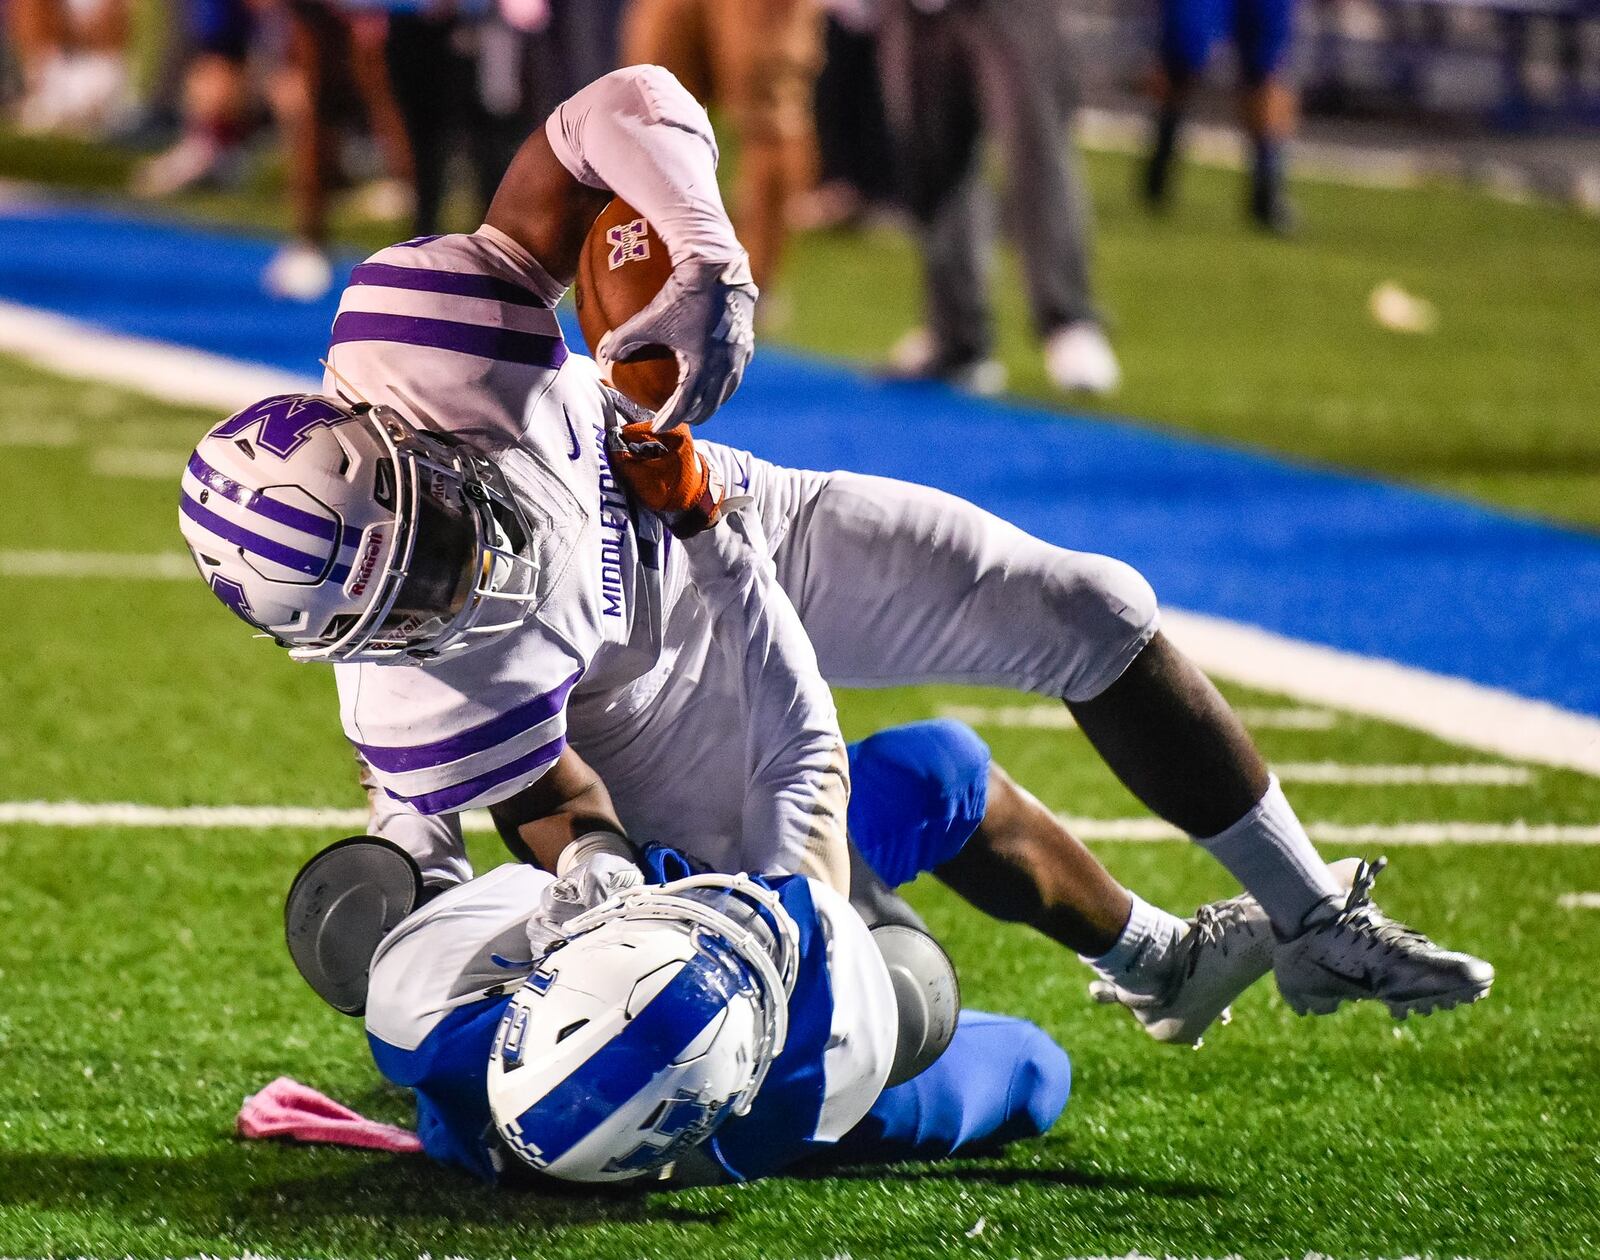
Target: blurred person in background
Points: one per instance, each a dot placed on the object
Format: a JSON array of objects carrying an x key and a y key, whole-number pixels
[
  {"x": 72, "y": 55},
  {"x": 758, "y": 60},
  {"x": 334, "y": 63},
  {"x": 216, "y": 106},
  {"x": 855, "y": 162},
  {"x": 1261, "y": 31},
  {"x": 456, "y": 73},
  {"x": 955, "y": 71}
]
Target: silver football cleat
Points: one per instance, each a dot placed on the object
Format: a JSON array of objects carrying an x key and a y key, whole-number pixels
[
  {"x": 1354, "y": 951},
  {"x": 1228, "y": 947}
]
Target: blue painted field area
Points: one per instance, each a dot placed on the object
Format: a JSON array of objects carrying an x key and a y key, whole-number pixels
[{"x": 1328, "y": 557}]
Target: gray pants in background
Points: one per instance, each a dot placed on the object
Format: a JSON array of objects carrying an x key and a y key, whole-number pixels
[{"x": 951, "y": 75}]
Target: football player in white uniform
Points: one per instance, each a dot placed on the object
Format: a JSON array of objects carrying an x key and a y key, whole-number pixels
[{"x": 453, "y": 536}]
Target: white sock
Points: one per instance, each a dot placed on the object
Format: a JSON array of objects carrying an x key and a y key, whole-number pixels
[
  {"x": 1139, "y": 959},
  {"x": 1269, "y": 852}
]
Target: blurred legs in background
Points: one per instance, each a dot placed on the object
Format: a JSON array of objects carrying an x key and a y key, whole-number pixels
[
  {"x": 73, "y": 59},
  {"x": 333, "y": 65},
  {"x": 1261, "y": 31},
  {"x": 436, "y": 67},
  {"x": 758, "y": 59},
  {"x": 216, "y": 103},
  {"x": 952, "y": 76},
  {"x": 855, "y": 174}
]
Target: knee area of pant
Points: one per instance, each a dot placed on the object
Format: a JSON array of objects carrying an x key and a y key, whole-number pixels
[
  {"x": 1102, "y": 602},
  {"x": 918, "y": 792}
]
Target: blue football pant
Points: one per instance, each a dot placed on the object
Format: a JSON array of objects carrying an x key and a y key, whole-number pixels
[{"x": 1002, "y": 1079}]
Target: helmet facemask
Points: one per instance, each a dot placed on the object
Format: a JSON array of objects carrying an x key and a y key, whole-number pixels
[{"x": 458, "y": 570}]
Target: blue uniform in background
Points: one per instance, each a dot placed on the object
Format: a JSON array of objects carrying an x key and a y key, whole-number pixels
[
  {"x": 919, "y": 793},
  {"x": 1259, "y": 29}
]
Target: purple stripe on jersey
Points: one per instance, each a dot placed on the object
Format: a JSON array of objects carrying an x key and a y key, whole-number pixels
[
  {"x": 505, "y": 344},
  {"x": 456, "y": 283},
  {"x": 256, "y": 501},
  {"x": 288, "y": 557},
  {"x": 497, "y": 730},
  {"x": 448, "y": 800}
]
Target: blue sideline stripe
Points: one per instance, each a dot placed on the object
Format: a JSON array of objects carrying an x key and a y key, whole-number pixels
[{"x": 1324, "y": 556}]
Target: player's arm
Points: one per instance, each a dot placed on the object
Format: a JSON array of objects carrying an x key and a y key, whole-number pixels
[
  {"x": 796, "y": 769},
  {"x": 565, "y": 804},
  {"x": 637, "y": 133},
  {"x": 564, "y": 821}
]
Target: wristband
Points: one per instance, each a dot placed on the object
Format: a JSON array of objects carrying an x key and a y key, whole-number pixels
[{"x": 593, "y": 844}]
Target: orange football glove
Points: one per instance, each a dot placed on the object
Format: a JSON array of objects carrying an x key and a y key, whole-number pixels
[{"x": 668, "y": 476}]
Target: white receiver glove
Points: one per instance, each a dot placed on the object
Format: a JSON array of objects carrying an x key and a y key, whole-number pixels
[
  {"x": 591, "y": 869},
  {"x": 704, "y": 314}
]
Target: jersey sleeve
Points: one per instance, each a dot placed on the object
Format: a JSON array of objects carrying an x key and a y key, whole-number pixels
[
  {"x": 463, "y": 733},
  {"x": 796, "y": 770}
]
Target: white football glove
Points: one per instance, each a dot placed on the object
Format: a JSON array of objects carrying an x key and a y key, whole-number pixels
[
  {"x": 705, "y": 315},
  {"x": 591, "y": 869}
]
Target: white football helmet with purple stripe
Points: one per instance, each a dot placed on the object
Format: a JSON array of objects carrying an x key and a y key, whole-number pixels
[{"x": 345, "y": 533}]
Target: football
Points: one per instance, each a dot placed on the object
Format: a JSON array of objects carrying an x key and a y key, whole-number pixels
[{"x": 622, "y": 268}]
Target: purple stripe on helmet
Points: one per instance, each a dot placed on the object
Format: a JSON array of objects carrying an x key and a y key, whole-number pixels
[
  {"x": 257, "y": 501},
  {"x": 447, "y": 800},
  {"x": 455, "y": 283},
  {"x": 505, "y": 344},
  {"x": 496, "y": 730},
  {"x": 266, "y": 548}
]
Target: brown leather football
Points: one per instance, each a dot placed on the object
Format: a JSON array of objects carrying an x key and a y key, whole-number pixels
[{"x": 622, "y": 268}]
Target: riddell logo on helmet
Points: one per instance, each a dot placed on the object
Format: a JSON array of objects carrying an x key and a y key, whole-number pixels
[{"x": 364, "y": 567}]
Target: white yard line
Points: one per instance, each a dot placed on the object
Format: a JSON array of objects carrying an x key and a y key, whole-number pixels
[
  {"x": 1579, "y": 901},
  {"x": 1479, "y": 774},
  {"x": 1465, "y": 713},
  {"x": 75, "y": 814},
  {"x": 138, "y": 462},
  {"x": 1462, "y": 712},
  {"x": 1152, "y": 830},
  {"x": 1056, "y": 717},
  {"x": 172, "y": 373},
  {"x": 160, "y": 566},
  {"x": 40, "y": 434}
]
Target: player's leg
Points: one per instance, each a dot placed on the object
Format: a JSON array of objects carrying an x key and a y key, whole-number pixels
[
  {"x": 1000, "y": 1080},
  {"x": 1263, "y": 30},
  {"x": 902, "y": 584},
  {"x": 930, "y": 102},
  {"x": 926, "y": 797},
  {"x": 1188, "y": 28}
]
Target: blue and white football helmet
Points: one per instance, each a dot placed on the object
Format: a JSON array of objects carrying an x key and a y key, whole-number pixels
[
  {"x": 656, "y": 1020},
  {"x": 346, "y": 533}
]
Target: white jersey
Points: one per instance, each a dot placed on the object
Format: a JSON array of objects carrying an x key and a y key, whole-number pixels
[
  {"x": 440, "y": 980},
  {"x": 632, "y": 629}
]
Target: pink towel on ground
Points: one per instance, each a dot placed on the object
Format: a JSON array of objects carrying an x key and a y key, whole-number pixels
[{"x": 288, "y": 1109}]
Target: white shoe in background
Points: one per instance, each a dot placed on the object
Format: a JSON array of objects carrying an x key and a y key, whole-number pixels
[
  {"x": 918, "y": 357},
  {"x": 299, "y": 272},
  {"x": 1079, "y": 359}
]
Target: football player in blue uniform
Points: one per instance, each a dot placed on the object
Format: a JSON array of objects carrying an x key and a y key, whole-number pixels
[{"x": 723, "y": 1027}]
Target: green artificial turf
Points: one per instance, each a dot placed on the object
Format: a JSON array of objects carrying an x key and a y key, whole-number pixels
[{"x": 145, "y": 990}]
